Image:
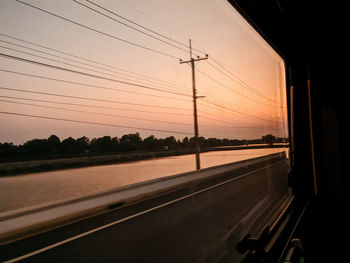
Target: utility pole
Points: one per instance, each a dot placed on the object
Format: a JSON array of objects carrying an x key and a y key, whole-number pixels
[{"x": 192, "y": 61}]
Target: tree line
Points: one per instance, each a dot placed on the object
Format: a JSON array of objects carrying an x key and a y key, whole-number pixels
[{"x": 54, "y": 147}]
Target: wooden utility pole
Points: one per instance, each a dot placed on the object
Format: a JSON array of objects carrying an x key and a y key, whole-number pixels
[{"x": 194, "y": 91}]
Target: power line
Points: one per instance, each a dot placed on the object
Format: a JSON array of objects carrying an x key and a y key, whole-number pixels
[
  {"x": 230, "y": 122},
  {"x": 243, "y": 82},
  {"x": 214, "y": 119},
  {"x": 90, "y": 99},
  {"x": 126, "y": 117},
  {"x": 220, "y": 119},
  {"x": 122, "y": 23},
  {"x": 88, "y": 74},
  {"x": 102, "y": 124},
  {"x": 89, "y": 122},
  {"x": 39, "y": 63},
  {"x": 87, "y": 85},
  {"x": 95, "y": 106},
  {"x": 232, "y": 90},
  {"x": 240, "y": 81},
  {"x": 224, "y": 108},
  {"x": 219, "y": 109},
  {"x": 215, "y": 98},
  {"x": 95, "y": 71},
  {"x": 102, "y": 77},
  {"x": 105, "y": 73},
  {"x": 96, "y": 113},
  {"x": 96, "y": 62},
  {"x": 141, "y": 26},
  {"x": 96, "y": 30},
  {"x": 236, "y": 79},
  {"x": 236, "y": 111},
  {"x": 79, "y": 62},
  {"x": 158, "y": 22},
  {"x": 118, "y": 116},
  {"x": 33, "y": 49},
  {"x": 233, "y": 127}
]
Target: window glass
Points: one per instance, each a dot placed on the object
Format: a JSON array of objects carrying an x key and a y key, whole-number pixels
[{"x": 93, "y": 95}]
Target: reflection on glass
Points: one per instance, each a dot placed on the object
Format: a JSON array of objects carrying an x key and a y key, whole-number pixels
[{"x": 100, "y": 83}]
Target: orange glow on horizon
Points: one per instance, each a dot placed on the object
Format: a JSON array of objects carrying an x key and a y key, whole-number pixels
[{"x": 243, "y": 80}]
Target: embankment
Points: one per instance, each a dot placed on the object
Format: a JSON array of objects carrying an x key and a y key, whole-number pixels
[{"x": 23, "y": 167}]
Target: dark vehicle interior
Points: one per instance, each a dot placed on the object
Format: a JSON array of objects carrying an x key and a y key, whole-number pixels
[{"x": 319, "y": 123}]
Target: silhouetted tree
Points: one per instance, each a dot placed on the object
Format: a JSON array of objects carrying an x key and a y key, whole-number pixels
[
  {"x": 69, "y": 146},
  {"x": 7, "y": 149},
  {"x": 35, "y": 147},
  {"x": 269, "y": 139},
  {"x": 211, "y": 142},
  {"x": 201, "y": 141},
  {"x": 130, "y": 142},
  {"x": 170, "y": 142},
  {"x": 150, "y": 143},
  {"x": 83, "y": 144},
  {"x": 184, "y": 143},
  {"x": 104, "y": 144},
  {"x": 192, "y": 142},
  {"x": 53, "y": 144}
]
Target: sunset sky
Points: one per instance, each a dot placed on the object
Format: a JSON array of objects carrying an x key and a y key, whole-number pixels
[{"x": 243, "y": 80}]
